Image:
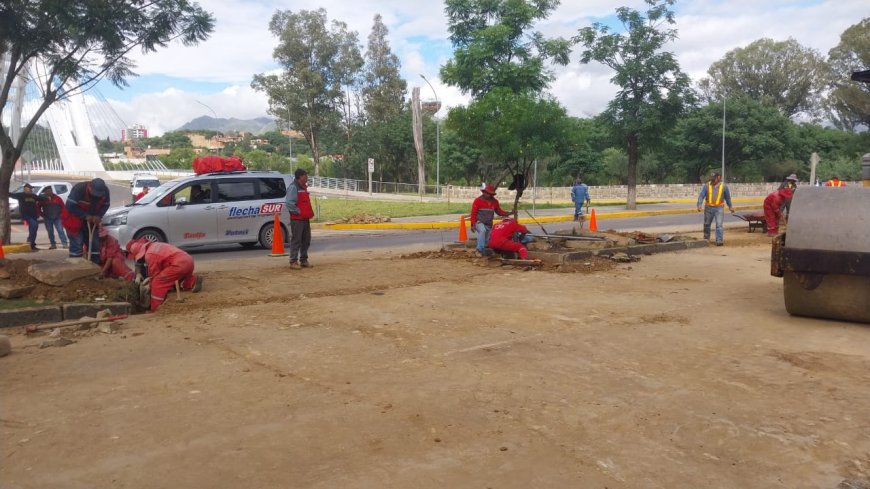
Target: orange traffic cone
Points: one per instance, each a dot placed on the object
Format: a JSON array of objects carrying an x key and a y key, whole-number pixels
[
  {"x": 277, "y": 239},
  {"x": 2, "y": 256},
  {"x": 463, "y": 234},
  {"x": 593, "y": 224}
]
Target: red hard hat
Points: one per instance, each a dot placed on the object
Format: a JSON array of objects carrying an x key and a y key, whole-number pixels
[{"x": 488, "y": 189}]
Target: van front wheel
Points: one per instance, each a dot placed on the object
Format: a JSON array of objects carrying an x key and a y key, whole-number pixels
[
  {"x": 266, "y": 233},
  {"x": 150, "y": 234}
]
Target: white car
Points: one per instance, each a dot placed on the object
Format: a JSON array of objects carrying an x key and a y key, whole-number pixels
[
  {"x": 61, "y": 189},
  {"x": 142, "y": 180}
]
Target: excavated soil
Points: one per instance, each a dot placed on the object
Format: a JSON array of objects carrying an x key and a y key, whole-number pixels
[
  {"x": 589, "y": 265},
  {"x": 680, "y": 371},
  {"x": 81, "y": 290}
]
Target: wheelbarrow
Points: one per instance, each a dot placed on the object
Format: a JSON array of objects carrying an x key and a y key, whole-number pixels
[{"x": 756, "y": 221}]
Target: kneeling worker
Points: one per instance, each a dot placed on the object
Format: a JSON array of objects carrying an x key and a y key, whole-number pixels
[
  {"x": 510, "y": 236},
  {"x": 166, "y": 265}
]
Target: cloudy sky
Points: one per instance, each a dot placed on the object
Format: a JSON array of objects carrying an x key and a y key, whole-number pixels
[{"x": 179, "y": 83}]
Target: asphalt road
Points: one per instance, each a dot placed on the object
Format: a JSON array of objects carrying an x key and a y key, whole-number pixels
[
  {"x": 333, "y": 241},
  {"x": 337, "y": 241}
]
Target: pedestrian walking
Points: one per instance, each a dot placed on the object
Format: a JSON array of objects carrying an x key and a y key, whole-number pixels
[
  {"x": 713, "y": 195},
  {"x": 580, "y": 195},
  {"x": 298, "y": 203},
  {"x": 52, "y": 208},
  {"x": 28, "y": 205},
  {"x": 86, "y": 205}
]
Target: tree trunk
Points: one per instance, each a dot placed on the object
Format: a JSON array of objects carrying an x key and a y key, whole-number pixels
[
  {"x": 631, "y": 200},
  {"x": 7, "y": 168}
]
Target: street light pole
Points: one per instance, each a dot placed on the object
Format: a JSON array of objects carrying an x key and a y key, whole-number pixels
[
  {"x": 437, "y": 141},
  {"x": 207, "y": 107}
]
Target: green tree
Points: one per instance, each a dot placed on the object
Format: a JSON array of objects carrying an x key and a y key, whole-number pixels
[
  {"x": 781, "y": 74},
  {"x": 652, "y": 88},
  {"x": 495, "y": 47},
  {"x": 759, "y": 141},
  {"x": 179, "y": 158},
  {"x": 318, "y": 58},
  {"x": 515, "y": 129},
  {"x": 80, "y": 42},
  {"x": 849, "y": 102},
  {"x": 383, "y": 88}
]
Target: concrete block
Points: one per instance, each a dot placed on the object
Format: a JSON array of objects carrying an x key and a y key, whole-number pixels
[
  {"x": 12, "y": 291},
  {"x": 63, "y": 272},
  {"x": 92, "y": 309},
  {"x": 30, "y": 315}
]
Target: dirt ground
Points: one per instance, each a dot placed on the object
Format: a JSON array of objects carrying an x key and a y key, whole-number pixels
[
  {"x": 371, "y": 370},
  {"x": 81, "y": 290}
]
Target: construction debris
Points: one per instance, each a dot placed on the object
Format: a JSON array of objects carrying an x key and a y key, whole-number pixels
[
  {"x": 57, "y": 342},
  {"x": 64, "y": 272}
]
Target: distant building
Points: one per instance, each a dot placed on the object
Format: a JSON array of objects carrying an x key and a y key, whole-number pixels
[{"x": 138, "y": 131}]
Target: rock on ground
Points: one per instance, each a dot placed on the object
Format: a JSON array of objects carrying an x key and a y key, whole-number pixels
[
  {"x": 5, "y": 345},
  {"x": 62, "y": 273}
]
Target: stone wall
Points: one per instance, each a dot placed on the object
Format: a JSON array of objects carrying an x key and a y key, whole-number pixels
[{"x": 619, "y": 192}]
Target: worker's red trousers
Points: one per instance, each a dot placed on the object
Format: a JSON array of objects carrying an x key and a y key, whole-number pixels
[
  {"x": 772, "y": 214},
  {"x": 510, "y": 245},
  {"x": 180, "y": 268}
]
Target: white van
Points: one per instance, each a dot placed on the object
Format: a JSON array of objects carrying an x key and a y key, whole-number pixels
[
  {"x": 208, "y": 209},
  {"x": 142, "y": 180}
]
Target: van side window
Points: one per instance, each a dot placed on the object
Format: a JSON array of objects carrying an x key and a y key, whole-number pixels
[
  {"x": 236, "y": 190},
  {"x": 194, "y": 193},
  {"x": 60, "y": 189},
  {"x": 272, "y": 188}
]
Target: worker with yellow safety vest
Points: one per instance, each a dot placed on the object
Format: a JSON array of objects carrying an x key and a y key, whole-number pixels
[
  {"x": 713, "y": 194},
  {"x": 835, "y": 182}
]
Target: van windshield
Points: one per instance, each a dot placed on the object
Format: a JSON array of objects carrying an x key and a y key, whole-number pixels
[
  {"x": 155, "y": 194},
  {"x": 148, "y": 183}
]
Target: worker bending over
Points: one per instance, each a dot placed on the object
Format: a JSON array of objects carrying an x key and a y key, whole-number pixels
[
  {"x": 773, "y": 205},
  {"x": 510, "y": 236},
  {"x": 113, "y": 263},
  {"x": 165, "y": 265}
]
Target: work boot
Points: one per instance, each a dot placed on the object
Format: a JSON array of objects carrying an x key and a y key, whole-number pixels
[
  {"x": 53, "y": 247},
  {"x": 33, "y": 247},
  {"x": 197, "y": 285},
  {"x": 64, "y": 246},
  {"x": 719, "y": 243},
  {"x": 305, "y": 264},
  {"x": 295, "y": 266}
]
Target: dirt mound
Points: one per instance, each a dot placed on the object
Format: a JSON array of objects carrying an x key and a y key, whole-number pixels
[
  {"x": 363, "y": 218},
  {"x": 588, "y": 265},
  {"x": 81, "y": 290}
]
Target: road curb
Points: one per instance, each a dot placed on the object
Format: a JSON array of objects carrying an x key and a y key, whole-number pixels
[
  {"x": 20, "y": 248},
  {"x": 522, "y": 220}
]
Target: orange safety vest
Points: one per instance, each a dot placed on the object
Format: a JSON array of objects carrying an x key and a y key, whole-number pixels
[
  {"x": 838, "y": 183},
  {"x": 717, "y": 201}
]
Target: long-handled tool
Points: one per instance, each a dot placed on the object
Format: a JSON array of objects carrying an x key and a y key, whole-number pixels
[
  {"x": 178, "y": 297},
  {"x": 569, "y": 237},
  {"x": 536, "y": 222},
  {"x": 90, "y": 255},
  {"x": 77, "y": 322}
]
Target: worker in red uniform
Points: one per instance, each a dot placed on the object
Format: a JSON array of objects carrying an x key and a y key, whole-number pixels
[
  {"x": 773, "y": 204},
  {"x": 835, "y": 182},
  {"x": 141, "y": 194},
  {"x": 113, "y": 263},
  {"x": 483, "y": 211},
  {"x": 165, "y": 265},
  {"x": 510, "y": 236}
]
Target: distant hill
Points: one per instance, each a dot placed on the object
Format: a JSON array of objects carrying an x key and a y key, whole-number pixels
[{"x": 255, "y": 126}]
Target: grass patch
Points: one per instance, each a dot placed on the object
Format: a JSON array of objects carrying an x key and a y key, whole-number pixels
[
  {"x": 333, "y": 208},
  {"x": 7, "y": 304}
]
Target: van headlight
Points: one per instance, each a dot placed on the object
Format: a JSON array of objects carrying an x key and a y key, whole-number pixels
[{"x": 116, "y": 220}]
